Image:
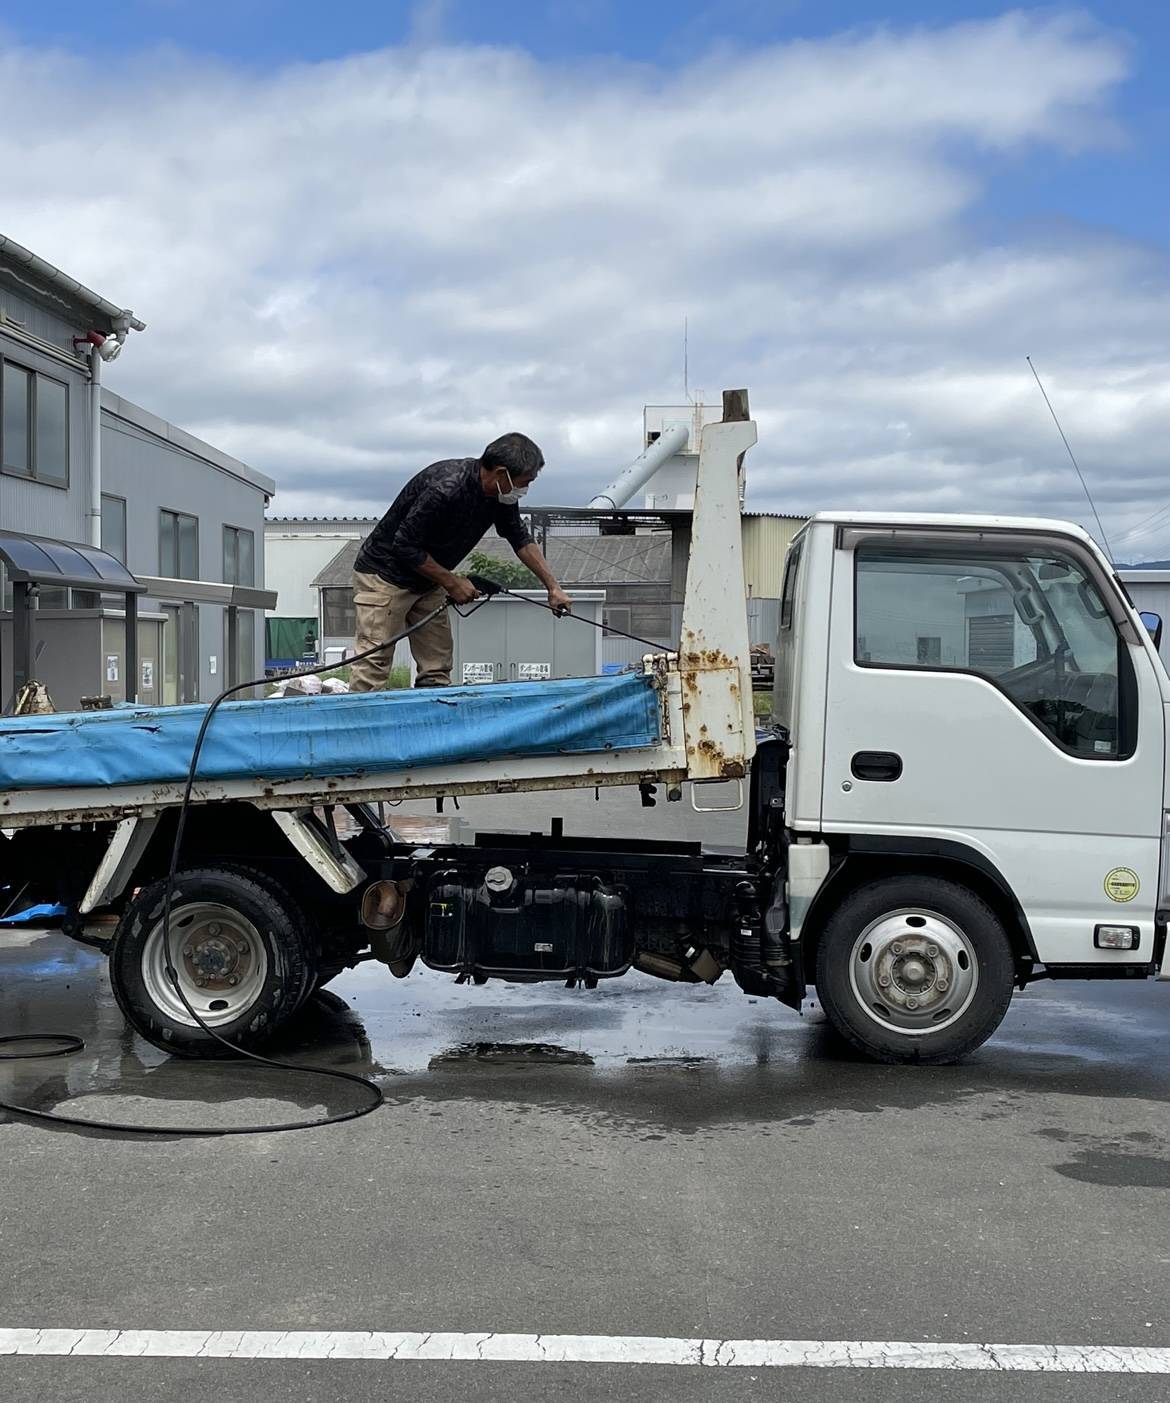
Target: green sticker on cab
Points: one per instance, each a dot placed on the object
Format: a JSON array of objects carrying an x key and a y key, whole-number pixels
[{"x": 1122, "y": 884}]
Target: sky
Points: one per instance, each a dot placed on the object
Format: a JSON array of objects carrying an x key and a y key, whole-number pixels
[{"x": 365, "y": 236}]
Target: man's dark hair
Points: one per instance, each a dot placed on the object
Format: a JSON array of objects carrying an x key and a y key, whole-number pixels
[{"x": 516, "y": 452}]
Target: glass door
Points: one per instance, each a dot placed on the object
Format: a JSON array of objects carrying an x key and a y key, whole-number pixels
[{"x": 171, "y": 653}]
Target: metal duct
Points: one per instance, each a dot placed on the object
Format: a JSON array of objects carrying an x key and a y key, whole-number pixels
[{"x": 618, "y": 492}]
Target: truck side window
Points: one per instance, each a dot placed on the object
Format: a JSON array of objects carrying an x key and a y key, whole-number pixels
[
  {"x": 788, "y": 589},
  {"x": 1035, "y": 626}
]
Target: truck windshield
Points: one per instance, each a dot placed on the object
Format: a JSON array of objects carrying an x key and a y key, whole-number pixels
[{"x": 1035, "y": 625}]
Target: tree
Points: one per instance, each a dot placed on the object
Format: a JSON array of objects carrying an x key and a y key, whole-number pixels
[{"x": 509, "y": 573}]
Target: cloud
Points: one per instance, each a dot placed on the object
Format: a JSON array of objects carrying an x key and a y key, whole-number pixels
[{"x": 351, "y": 268}]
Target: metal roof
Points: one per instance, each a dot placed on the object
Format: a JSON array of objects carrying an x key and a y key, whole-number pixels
[
  {"x": 575, "y": 560},
  {"x": 49, "y": 284},
  {"x": 42, "y": 561},
  {"x": 320, "y": 520}
]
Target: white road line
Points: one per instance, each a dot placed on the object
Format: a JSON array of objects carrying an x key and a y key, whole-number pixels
[{"x": 584, "y": 1349}]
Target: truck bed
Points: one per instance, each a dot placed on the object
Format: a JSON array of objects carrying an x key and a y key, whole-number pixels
[
  {"x": 298, "y": 752},
  {"x": 321, "y": 737}
]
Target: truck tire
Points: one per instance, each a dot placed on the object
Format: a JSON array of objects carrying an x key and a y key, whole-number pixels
[
  {"x": 235, "y": 930},
  {"x": 914, "y": 969}
]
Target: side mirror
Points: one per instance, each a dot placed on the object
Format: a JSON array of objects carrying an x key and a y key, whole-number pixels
[{"x": 1153, "y": 623}]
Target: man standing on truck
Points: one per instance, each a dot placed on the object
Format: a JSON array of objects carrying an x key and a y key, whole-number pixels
[{"x": 405, "y": 564}]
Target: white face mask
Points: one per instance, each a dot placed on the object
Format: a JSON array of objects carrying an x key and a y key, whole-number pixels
[{"x": 513, "y": 494}]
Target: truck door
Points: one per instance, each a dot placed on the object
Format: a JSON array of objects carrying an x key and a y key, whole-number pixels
[{"x": 988, "y": 693}]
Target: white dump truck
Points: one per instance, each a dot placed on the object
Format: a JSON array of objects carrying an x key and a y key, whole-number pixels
[{"x": 962, "y": 789}]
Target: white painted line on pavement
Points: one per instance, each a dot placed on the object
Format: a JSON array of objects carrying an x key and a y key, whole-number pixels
[{"x": 584, "y": 1349}]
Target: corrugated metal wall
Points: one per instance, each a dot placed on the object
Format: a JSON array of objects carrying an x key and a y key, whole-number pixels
[
  {"x": 765, "y": 544},
  {"x": 763, "y": 621},
  {"x": 59, "y": 331}
]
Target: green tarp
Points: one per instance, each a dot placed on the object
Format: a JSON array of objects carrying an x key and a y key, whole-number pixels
[{"x": 285, "y": 638}]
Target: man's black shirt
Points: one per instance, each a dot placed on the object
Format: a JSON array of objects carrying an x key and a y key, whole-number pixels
[{"x": 442, "y": 512}]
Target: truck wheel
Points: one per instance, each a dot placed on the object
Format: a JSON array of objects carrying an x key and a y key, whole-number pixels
[
  {"x": 242, "y": 954},
  {"x": 914, "y": 969}
]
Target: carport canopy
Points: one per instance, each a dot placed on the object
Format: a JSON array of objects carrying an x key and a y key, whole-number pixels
[{"x": 38, "y": 560}]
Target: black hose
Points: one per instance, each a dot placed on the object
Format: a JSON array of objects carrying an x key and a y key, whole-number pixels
[
  {"x": 70, "y": 1044},
  {"x": 563, "y": 613}
]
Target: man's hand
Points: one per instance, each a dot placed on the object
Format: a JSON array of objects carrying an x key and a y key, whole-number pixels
[
  {"x": 461, "y": 590},
  {"x": 558, "y": 601}
]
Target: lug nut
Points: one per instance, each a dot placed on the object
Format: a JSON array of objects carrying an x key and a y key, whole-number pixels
[
  {"x": 187, "y": 952},
  {"x": 244, "y": 948},
  {"x": 941, "y": 986},
  {"x": 911, "y": 1003},
  {"x": 213, "y": 928},
  {"x": 897, "y": 947},
  {"x": 201, "y": 983},
  {"x": 884, "y": 980},
  {"x": 932, "y": 951},
  {"x": 233, "y": 978}
]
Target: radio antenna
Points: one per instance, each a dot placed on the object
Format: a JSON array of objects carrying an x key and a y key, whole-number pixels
[{"x": 1073, "y": 461}]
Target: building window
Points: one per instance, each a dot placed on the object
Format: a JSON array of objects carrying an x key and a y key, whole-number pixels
[
  {"x": 929, "y": 650},
  {"x": 338, "y": 614},
  {"x": 178, "y": 546},
  {"x": 617, "y": 616},
  {"x": 114, "y": 527},
  {"x": 632, "y": 612},
  {"x": 51, "y": 440},
  {"x": 16, "y": 419},
  {"x": 239, "y": 556},
  {"x": 788, "y": 589},
  {"x": 651, "y": 620},
  {"x": 34, "y": 425}
]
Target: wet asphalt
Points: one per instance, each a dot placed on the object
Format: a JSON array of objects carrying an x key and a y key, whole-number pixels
[{"x": 646, "y": 1158}]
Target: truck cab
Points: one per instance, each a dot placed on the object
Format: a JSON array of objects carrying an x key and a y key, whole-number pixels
[{"x": 974, "y": 719}]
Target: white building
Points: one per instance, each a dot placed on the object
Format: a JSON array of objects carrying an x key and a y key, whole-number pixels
[{"x": 297, "y": 549}]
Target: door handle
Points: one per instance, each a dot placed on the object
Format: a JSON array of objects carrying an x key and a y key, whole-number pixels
[{"x": 880, "y": 766}]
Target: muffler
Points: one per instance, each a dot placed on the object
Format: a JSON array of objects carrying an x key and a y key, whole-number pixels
[{"x": 383, "y": 910}]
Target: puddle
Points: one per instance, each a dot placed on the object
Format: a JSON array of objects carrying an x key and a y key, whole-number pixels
[
  {"x": 513, "y": 1055},
  {"x": 1117, "y": 1162},
  {"x": 1117, "y": 1170},
  {"x": 648, "y": 1055}
]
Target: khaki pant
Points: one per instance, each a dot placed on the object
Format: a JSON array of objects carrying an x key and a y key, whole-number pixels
[{"x": 382, "y": 611}]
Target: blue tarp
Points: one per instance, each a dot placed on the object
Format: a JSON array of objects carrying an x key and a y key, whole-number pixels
[
  {"x": 35, "y": 914},
  {"x": 329, "y": 736}
]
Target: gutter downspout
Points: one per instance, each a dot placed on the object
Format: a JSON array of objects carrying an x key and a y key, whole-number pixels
[{"x": 95, "y": 447}]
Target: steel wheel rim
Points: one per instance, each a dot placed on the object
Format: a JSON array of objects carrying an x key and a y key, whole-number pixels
[
  {"x": 913, "y": 971},
  {"x": 212, "y": 943}
]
